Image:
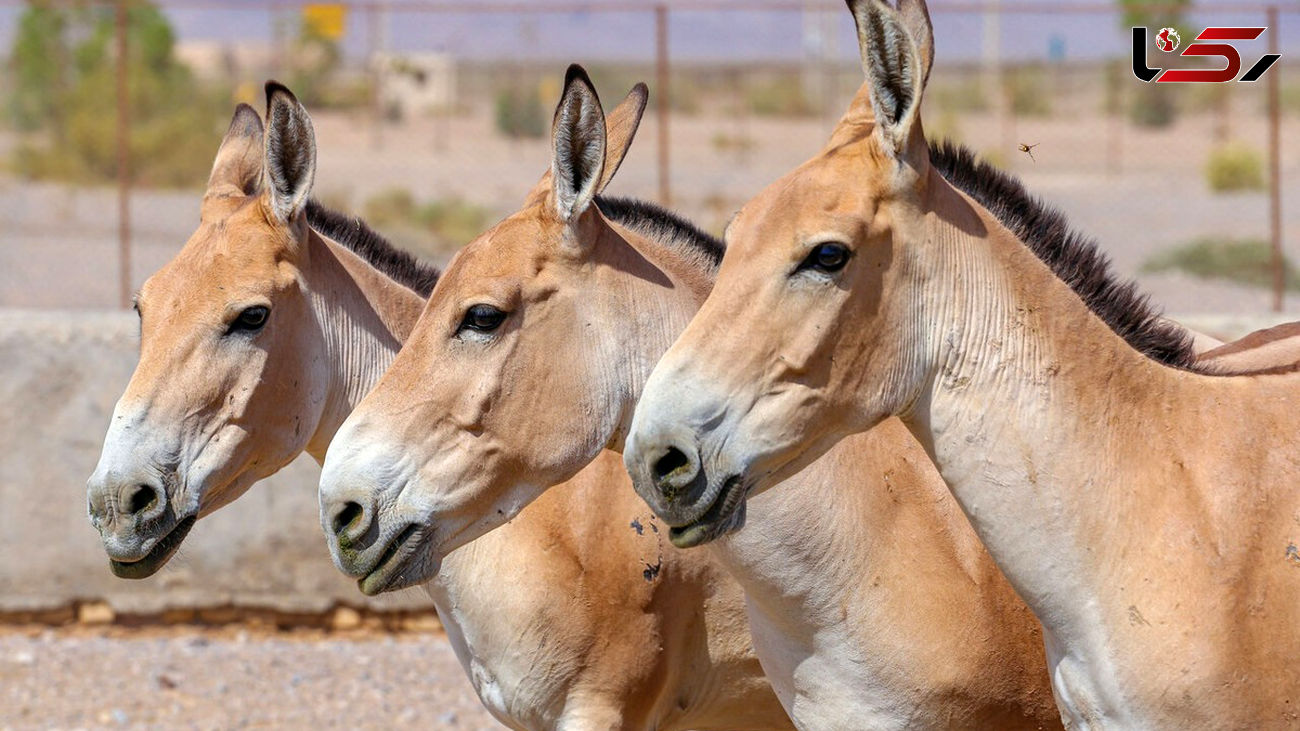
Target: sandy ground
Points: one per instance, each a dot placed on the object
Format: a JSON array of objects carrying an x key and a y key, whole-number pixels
[{"x": 223, "y": 678}]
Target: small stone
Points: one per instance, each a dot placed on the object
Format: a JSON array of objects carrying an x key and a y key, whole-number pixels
[
  {"x": 95, "y": 613},
  {"x": 344, "y": 619},
  {"x": 421, "y": 623}
]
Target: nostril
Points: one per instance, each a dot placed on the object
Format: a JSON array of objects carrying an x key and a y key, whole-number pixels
[
  {"x": 143, "y": 498},
  {"x": 345, "y": 517},
  {"x": 672, "y": 461}
]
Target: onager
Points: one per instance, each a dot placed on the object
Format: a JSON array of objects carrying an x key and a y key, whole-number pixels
[
  {"x": 1145, "y": 510},
  {"x": 528, "y": 361},
  {"x": 261, "y": 336}
]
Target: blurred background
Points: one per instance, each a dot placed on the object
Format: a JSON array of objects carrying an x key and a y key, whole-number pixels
[
  {"x": 432, "y": 120},
  {"x": 433, "y": 117}
]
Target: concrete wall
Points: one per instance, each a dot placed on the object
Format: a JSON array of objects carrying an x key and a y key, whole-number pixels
[{"x": 60, "y": 374}]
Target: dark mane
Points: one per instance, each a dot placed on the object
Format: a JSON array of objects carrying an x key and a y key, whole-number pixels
[
  {"x": 1074, "y": 258},
  {"x": 663, "y": 225},
  {"x": 353, "y": 233}
]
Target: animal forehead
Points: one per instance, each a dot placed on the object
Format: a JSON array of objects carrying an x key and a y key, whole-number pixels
[
  {"x": 517, "y": 247},
  {"x": 220, "y": 261},
  {"x": 809, "y": 201}
]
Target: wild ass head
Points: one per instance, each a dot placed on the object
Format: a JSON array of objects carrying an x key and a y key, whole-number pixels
[
  {"x": 514, "y": 378},
  {"x": 806, "y": 309},
  {"x": 231, "y": 383}
]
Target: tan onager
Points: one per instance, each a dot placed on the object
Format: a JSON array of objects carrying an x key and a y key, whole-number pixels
[
  {"x": 259, "y": 338},
  {"x": 528, "y": 361},
  {"x": 1147, "y": 512}
]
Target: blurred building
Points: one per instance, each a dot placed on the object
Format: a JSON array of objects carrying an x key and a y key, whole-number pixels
[
  {"x": 413, "y": 84},
  {"x": 222, "y": 60}
]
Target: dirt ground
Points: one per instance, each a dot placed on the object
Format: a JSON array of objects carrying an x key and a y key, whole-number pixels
[{"x": 232, "y": 678}]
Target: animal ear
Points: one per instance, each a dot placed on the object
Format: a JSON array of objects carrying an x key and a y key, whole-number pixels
[
  {"x": 916, "y": 18},
  {"x": 578, "y": 139},
  {"x": 290, "y": 152},
  {"x": 894, "y": 70},
  {"x": 238, "y": 167},
  {"x": 620, "y": 127}
]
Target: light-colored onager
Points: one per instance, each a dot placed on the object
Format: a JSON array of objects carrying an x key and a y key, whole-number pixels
[
  {"x": 1147, "y": 512},
  {"x": 552, "y": 616},
  {"x": 528, "y": 360},
  {"x": 1274, "y": 348}
]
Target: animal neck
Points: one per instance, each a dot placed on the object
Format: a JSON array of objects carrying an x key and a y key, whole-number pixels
[
  {"x": 654, "y": 289},
  {"x": 1035, "y": 411},
  {"x": 364, "y": 317}
]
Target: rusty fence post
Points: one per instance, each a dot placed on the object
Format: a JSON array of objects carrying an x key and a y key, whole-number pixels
[
  {"x": 123, "y": 158},
  {"x": 663, "y": 104},
  {"x": 1275, "y": 165}
]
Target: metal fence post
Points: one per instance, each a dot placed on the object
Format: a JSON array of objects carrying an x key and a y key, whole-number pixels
[
  {"x": 123, "y": 159},
  {"x": 661, "y": 93},
  {"x": 1275, "y": 165}
]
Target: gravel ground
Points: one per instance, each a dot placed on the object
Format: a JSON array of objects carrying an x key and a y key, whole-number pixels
[{"x": 232, "y": 678}]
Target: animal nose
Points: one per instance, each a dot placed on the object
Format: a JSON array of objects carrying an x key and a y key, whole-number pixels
[
  {"x": 674, "y": 468},
  {"x": 350, "y": 520},
  {"x": 111, "y": 500},
  {"x": 143, "y": 498}
]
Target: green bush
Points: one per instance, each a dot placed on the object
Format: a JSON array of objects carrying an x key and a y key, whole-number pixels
[
  {"x": 779, "y": 97},
  {"x": 454, "y": 221},
  {"x": 737, "y": 143},
  {"x": 1234, "y": 167},
  {"x": 390, "y": 207},
  {"x": 1244, "y": 261},
  {"x": 958, "y": 97},
  {"x": 435, "y": 228},
  {"x": 1029, "y": 94},
  {"x": 520, "y": 114},
  {"x": 41, "y": 66},
  {"x": 313, "y": 63},
  {"x": 174, "y": 121}
]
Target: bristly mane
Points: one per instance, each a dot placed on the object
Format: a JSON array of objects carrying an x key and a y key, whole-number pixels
[
  {"x": 353, "y": 233},
  {"x": 663, "y": 225},
  {"x": 1074, "y": 258}
]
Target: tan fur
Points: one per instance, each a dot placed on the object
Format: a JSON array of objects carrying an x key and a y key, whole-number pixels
[
  {"x": 552, "y": 615},
  {"x": 471, "y": 426},
  {"x": 1148, "y": 515},
  {"x": 1276, "y": 347}
]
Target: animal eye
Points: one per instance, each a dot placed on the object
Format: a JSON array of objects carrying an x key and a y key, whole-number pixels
[
  {"x": 482, "y": 318},
  {"x": 827, "y": 258},
  {"x": 250, "y": 320}
]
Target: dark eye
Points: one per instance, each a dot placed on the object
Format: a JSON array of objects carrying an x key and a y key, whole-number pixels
[
  {"x": 482, "y": 318},
  {"x": 826, "y": 257},
  {"x": 250, "y": 320}
]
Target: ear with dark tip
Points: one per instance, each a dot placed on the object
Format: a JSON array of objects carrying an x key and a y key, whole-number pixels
[
  {"x": 892, "y": 64},
  {"x": 578, "y": 139},
  {"x": 290, "y": 152},
  {"x": 238, "y": 167},
  {"x": 916, "y": 18},
  {"x": 620, "y": 128}
]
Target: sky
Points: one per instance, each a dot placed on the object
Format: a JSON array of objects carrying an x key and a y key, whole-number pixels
[{"x": 743, "y": 35}]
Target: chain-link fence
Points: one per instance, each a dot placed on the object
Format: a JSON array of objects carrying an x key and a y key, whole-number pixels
[{"x": 433, "y": 118}]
